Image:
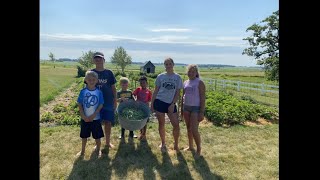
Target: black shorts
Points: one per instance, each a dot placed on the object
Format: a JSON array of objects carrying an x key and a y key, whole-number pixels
[
  {"x": 93, "y": 127},
  {"x": 162, "y": 107}
]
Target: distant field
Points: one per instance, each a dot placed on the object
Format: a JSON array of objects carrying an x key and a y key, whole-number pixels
[
  {"x": 54, "y": 80},
  {"x": 246, "y": 74}
]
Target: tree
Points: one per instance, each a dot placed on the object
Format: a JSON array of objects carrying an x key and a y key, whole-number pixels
[
  {"x": 86, "y": 59},
  {"x": 86, "y": 62},
  {"x": 51, "y": 57},
  {"x": 121, "y": 58},
  {"x": 264, "y": 44}
]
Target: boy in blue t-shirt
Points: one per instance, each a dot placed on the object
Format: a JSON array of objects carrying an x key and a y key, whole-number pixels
[{"x": 90, "y": 101}]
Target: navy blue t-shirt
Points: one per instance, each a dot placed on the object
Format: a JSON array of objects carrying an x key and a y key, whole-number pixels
[{"x": 106, "y": 80}]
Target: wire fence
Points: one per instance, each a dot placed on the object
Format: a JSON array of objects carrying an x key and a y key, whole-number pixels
[{"x": 259, "y": 92}]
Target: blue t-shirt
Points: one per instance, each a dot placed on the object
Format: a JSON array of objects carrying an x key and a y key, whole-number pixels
[
  {"x": 105, "y": 81},
  {"x": 90, "y": 100}
]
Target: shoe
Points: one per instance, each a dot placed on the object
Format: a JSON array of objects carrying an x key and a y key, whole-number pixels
[
  {"x": 135, "y": 136},
  {"x": 120, "y": 137}
]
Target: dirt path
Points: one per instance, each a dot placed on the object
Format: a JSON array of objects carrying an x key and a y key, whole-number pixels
[{"x": 64, "y": 98}]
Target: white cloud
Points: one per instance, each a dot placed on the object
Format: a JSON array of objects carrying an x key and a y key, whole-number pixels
[
  {"x": 171, "y": 30},
  {"x": 215, "y": 41}
]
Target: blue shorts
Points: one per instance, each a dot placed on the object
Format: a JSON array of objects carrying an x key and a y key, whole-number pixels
[
  {"x": 93, "y": 127},
  {"x": 162, "y": 107},
  {"x": 191, "y": 108},
  {"x": 107, "y": 115}
]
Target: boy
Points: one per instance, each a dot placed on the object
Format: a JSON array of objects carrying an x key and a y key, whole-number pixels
[
  {"x": 106, "y": 84},
  {"x": 123, "y": 95},
  {"x": 90, "y": 102},
  {"x": 144, "y": 95}
]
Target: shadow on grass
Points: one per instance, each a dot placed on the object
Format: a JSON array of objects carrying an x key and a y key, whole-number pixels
[
  {"x": 124, "y": 158},
  {"x": 149, "y": 161},
  {"x": 183, "y": 167},
  {"x": 94, "y": 168},
  {"x": 201, "y": 165}
]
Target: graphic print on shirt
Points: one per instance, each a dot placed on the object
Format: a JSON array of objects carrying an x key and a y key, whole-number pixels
[
  {"x": 101, "y": 82},
  {"x": 169, "y": 85},
  {"x": 125, "y": 95},
  {"x": 190, "y": 90},
  {"x": 90, "y": 100}
]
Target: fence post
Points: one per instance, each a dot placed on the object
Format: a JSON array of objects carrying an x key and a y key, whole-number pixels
[
  {"x": 238, "y": 86},
  {"x": 215, "y": 84},
  {"x": 262, "y": 89},
  {"x": 224, "y": 84}
]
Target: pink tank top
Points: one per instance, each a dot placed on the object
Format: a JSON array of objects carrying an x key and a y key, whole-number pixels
[{"x": 191, "y": 89}]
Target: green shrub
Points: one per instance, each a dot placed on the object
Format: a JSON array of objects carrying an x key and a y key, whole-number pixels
[
  {"x": 248, "y": 98},
  {"x": 59, "y": 108},
  {"x": 222, "y": 108},
  {"x": 46, "y": 117},
  {"x": 81, "y": 71}
]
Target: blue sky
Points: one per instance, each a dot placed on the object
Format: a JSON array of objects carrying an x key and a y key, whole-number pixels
[{"x": 188, "y": 31}]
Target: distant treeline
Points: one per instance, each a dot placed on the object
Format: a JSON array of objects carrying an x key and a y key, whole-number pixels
[
  {"x": 182, "y": 64},
  {"x": 141, "y": 63}
]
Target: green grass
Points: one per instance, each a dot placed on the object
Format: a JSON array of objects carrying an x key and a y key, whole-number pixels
[
  {"x": 54, "y": 80},
  {"x": 238, "y": 152}
]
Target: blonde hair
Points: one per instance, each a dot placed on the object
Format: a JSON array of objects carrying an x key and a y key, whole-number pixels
[
  {"x": 195, "y": 67},
  {"x": 91, "y": 74},
  {"x": 124, "y": 80}
]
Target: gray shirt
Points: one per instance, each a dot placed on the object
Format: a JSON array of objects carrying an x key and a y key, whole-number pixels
[{"x": 168, "y": 84}]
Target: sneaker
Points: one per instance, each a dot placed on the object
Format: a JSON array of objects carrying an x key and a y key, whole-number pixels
[{"x": 135, "y": 136}]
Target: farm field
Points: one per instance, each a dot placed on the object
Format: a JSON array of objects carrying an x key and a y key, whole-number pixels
[
  {"x": 249, "y": 151},
  {"x": 54, "y": 80}
]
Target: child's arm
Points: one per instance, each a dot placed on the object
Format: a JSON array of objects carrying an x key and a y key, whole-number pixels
[
  {"x": 135, "y": 94},
  {"x": 181, "y": 104},
  {"x": 202, "y": 91},
  {"x": 114, "y": 91},
  {"x": 154, "y": 95},
  {"x": 82, "y": 115}
]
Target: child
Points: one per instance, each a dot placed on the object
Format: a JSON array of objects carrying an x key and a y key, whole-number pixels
[
  {"x": 106, "y": 84},
  {"x": 193, "y": 106},
  {"x": 123, "y": 95},
  {"x": 143, "y": 94},
  {"x": 90, "y": 102}
]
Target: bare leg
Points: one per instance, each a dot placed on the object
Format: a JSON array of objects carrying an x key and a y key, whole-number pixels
[
  {"x": 196, "y": 135},
  {"x": 162, "y": 132},
  {"x": 97, "y": 148},
  {"x": 186, "y": 116},
  {"x": 83, "y": 148},
  {"x": 176, "y": 129},
  {"x": 143, "y": 133},
  {"x": 107, "y": 132}
]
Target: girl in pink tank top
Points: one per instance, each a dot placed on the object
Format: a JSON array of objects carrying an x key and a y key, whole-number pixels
[{"x": 193, "y": 106}]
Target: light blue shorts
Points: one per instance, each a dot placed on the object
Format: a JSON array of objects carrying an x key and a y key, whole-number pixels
[{"x": 191, "y": 108}]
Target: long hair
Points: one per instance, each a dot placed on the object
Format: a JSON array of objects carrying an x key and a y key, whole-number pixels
[{"x": 195, "y": 67}]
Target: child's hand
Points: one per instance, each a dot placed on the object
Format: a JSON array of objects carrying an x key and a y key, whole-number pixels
[
  {"x": 85, "y": 118},
  {"x": 181, "y": 114},
  {"x": 200, "y": 116},
  {"x": 171, "y": 108},
  {"x": 90, "y": 118}
]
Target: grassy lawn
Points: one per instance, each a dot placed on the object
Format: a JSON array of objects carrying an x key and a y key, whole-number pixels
[
  {"x": 238, "y": 152},
  {"x": 54, "y": 80}
]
